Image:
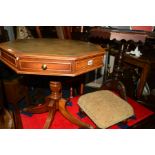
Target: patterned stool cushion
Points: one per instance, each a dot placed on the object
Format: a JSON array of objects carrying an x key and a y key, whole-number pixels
[{"x": 105, "y": 108}]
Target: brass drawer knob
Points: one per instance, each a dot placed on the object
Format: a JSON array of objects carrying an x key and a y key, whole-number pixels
[{"x": 44, "y": 67}]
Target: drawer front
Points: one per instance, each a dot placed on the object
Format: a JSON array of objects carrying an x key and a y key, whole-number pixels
[
  {"x": 8, "y": 58},
  {"x": 89, "y": 63},
  {"x": 45, "y": 66}
]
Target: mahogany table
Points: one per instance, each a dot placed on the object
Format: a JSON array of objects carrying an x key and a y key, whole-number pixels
[{"x": 52, "y": 57}]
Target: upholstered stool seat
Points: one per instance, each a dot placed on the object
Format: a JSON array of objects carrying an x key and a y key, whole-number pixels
[{"x": 105, "y": 108}]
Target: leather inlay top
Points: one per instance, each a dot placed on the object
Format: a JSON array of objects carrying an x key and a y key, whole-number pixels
[{"x": 51, "y": 47}]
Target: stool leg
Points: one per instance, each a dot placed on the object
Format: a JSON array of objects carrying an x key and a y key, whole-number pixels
[{"x": 81, "y": 88}]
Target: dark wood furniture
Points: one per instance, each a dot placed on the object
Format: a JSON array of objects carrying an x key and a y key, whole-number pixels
[
  {"x": 145, "y": 65},
  {"x": 143, "y": 62},
  {"x": 128, "y": 35},
  {"x": 15, "y": 90},
  {"x": 6, "y": 117},
  {"x": 52, "y": 57},
  {"x": 100, "y": 32},
  {"x": 138, "y": 62}
]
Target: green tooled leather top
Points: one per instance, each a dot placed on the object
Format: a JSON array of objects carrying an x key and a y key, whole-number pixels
[{"x": 51, "y": 47}]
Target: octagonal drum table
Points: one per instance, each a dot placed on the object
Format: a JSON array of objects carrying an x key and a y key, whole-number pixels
[{"x": 52, "y": 57}]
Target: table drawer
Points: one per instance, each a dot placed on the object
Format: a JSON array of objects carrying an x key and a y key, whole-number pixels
[
  {"x": 8, "y": 58},
  {"x": 48, "y": 66},
  {"x": 89, "y": 63}
]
